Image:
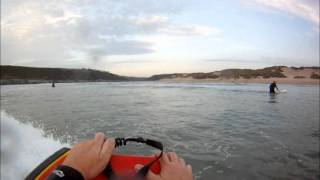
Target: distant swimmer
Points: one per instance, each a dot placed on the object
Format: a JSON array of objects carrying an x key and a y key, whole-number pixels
[
  {"x": 53, "y": 84},
  {"x": 273, "y": 86}
]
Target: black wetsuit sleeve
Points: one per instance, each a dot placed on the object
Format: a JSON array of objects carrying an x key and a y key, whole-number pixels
[{"x": 65, "y": 173}]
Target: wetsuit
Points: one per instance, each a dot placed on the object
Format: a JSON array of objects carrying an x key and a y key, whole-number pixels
[
  {"x": 272, "y": 87},
  {"x": 65, "y": 173}
]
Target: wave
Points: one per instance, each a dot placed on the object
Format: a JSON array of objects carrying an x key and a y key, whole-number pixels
[{"x": 23, "y": 147}]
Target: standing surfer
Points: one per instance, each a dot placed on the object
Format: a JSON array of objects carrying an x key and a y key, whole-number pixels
[
  {"x": 53, "y": 84},
  {"x": 273, "y": 86}
]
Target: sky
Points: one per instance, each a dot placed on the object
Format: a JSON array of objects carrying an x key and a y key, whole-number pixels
[{"x": 147, "y": 37}]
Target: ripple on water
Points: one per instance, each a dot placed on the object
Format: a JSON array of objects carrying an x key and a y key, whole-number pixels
[{"x": 226, "y": 131}]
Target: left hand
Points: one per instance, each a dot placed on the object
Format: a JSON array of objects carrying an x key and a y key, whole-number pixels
[{"x": 91, "y": 157}]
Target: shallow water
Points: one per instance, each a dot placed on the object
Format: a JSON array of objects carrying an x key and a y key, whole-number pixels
[{"x": 226, "y": 131}]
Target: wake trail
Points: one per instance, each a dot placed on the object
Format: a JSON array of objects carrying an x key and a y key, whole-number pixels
[{"x": 23, "y": 147}]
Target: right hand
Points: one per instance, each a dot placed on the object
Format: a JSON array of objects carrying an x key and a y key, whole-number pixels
[
  {"x": 172, "y": 168},
  {"x": 91, "y": 157}
]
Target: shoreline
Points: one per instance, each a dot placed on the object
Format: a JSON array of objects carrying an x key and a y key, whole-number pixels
[
  {"x": 34, "y": 81},
  {"x": 11, "y": 75},
  {"x": 292, "y": 81}
]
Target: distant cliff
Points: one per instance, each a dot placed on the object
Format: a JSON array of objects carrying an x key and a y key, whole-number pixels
[{"x": 21, "y": 74}]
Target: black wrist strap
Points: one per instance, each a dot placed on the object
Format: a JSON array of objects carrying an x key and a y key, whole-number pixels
[
  {"x": 65, "y": 173},
  {"x": 110, "y": 174}
]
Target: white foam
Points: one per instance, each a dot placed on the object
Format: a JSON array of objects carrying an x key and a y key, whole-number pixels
[{"x": 23, "y": 147}]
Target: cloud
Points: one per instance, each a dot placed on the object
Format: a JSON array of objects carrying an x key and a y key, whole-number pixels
[
  {"x": 265, "y": 60},
  {"x": 235, "y": 60},
  {"x": 53, "y": 31},
  {"x": 306, "y": 9},
  {"x": 152, "y": 20},
  {"x": 189, "y": 30},
  {"x": 134, "y": 61},
  {"x": 162, "y": 25},
  {"x": 117, "y": 47}
]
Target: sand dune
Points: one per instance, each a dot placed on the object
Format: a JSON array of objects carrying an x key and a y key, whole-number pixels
[{"x": 293, "y": 76}]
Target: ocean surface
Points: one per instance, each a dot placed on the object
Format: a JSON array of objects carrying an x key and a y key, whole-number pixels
[{"x": 225, "y": 131}]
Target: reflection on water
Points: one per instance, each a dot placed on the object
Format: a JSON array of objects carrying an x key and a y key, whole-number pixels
[{"x": 273, "y": 97}]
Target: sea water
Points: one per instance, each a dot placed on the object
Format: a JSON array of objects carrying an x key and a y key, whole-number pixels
[{"x": 225, "y": 131}]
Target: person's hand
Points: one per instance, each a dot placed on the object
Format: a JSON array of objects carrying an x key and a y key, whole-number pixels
[
  {"x": 172, "y": 168},
  {"x": 91, "y": 157}
]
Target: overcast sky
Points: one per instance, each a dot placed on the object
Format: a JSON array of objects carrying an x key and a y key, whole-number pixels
[{"x": 145, "y": 37}]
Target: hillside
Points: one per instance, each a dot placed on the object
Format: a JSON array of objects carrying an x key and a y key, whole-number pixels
[
  {"x": 282, "y": 74},
  {"x": 301, "y": 75},
  {"x": 20, "y": 74}
]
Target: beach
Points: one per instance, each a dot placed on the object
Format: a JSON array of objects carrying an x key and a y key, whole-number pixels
[{"x": 306, "y": 81}]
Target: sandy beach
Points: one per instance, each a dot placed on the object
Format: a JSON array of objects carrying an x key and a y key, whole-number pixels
[
  {"x": 293, "y": 76},
  {"x": 305, "y": 81}
]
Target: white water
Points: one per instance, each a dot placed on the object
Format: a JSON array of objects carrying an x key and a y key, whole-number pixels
[{"x": 23, "y": 147}]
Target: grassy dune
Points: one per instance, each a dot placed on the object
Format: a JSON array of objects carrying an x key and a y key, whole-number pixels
[
  {"x": 283, "y": 74},
  {"x": 23, "y": 75}
]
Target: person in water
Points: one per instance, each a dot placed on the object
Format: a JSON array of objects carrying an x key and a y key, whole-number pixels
[
  {"x": 89, "y": 158},
  {"x": 273, "y": 86}
]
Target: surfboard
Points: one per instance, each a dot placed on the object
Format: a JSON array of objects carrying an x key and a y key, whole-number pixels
[{"x": 282, "y": 91}]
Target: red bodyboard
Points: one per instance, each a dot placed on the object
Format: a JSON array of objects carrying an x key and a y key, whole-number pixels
[{"x": 121, "y": 164}]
